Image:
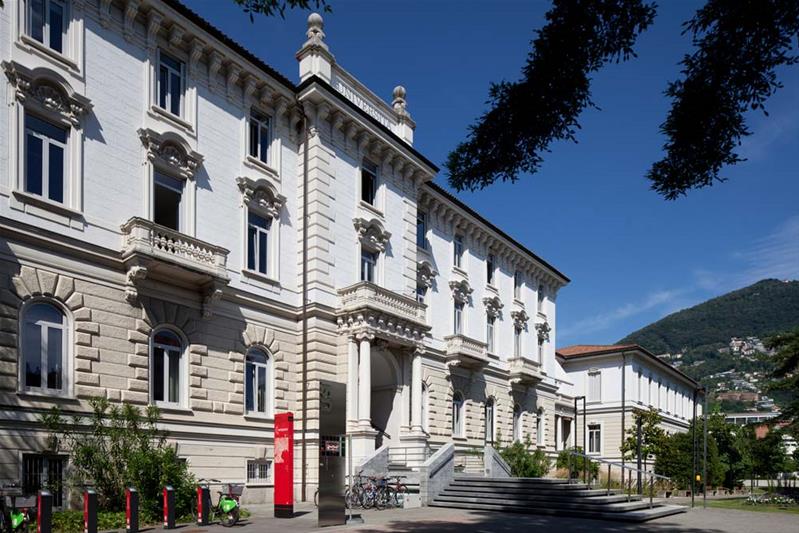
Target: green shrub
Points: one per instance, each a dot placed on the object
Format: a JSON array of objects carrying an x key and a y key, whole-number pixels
[
  {"x": 72, "y": 521},
  {"x": 118, "y": 447},
  {"x": 576, "y": 463},
  {"x": 523, "y": 461}
]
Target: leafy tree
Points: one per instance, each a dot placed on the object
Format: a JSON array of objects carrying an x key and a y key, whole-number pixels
[
  {"x": 767, "y": 453},
  {"x": 675, "y": 460},
  {"x": 787, "y": 372},
  {"x": 116, "y": 447},
  {"x": 524, "y": 461},
  {"x": 738, "y": 48},
  {"x": 732, "y": 449},
  {"x": 652, "y": 436},
  {"x": 577, "y": 464},
  {"x": 271, "y": 8}
]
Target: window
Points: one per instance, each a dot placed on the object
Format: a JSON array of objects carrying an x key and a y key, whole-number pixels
[
  {"x": 425, "y": 399},
  {"x": 540, "y": 350},
  {"x": 369, "y": 182},
  {"x": 539, "y": 428},
  {"x": 649, "y": 392},
  {"x": 457, "y": 250},
  {"x": 256, "y": 382},
  {"x": 457, "y": 319},
  {"x": 457, "y": 415},
  {"x": 517, "y": 285},
  {"x": 517, "y": 423},
  {"x": 421, "y": 293},
  {"x": 540, "y": 303},
  {"x": 170, "y": 84},
  {"x": 44, "y": 472},
  {"x": 594, "y": 438},
  {"x": 489, "y": 421},
  {"x": 167, "y": 201},
  {"x": 490, "y": 333},
  {"x": 640, "y": 386},
  {"x": 167, "y": 368},
  {"x": 490, "y": 260},
  {"x": 594, "y": 386},
  {"x": 44, "y": 349},
  {"x": 260, "y": 137},
  {"x": 421, "y": 229},
  {"x": 258, "y": 242},
  {"x": 368, "y": 265},
  {"x": 517, "y": 341},
  {"x": 258, "y": 471},
  {"x": 47, "y": 23},
  {"x": 45, "y": 159}
]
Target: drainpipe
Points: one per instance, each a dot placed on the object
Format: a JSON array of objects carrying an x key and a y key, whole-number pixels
[{"x": 305, "y": 218}]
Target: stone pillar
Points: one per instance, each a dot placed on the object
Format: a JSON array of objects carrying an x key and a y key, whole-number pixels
[
  {"x": 352, "y": 381},
  {"x": 416, "y": 392},
  {"x": 557, "y": 433},
  {"x": 365, "y": 384}
]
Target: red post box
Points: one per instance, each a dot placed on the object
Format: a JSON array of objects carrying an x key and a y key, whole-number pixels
[{"x": 284, "y": 465}]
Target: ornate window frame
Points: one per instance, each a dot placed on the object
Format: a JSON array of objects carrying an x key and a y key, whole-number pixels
[
  {"x": 268, "y": 413},
  {"x": 71, "y": 57},
  {"x": 373, "y": 237},
  {"x": 68, "y": 371},
  {"x": 46, "y": 94},
  {"x": 262, "y": 198},
  {"x": 184, "y": 377},
  {"x": 271, "y": 167}
]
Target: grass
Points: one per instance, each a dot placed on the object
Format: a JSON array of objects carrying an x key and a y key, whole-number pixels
[{"x": 741, "y": 505}]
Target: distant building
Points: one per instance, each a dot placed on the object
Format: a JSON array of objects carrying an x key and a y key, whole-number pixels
[
  {"x": 738, "y": 396},
  {"x": 743, "y": 419}
]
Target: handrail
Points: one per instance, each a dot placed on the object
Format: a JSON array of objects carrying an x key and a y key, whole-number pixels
[{"x": 600, "y": 460}]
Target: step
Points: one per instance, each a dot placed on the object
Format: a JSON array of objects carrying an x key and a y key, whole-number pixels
[
  {"x": 643, "y": 515},
  {"x": 565, "y": 487},
  {"x": 582, "y": 493},
  {"x": 589, "y": 505},
  {"x": 601, "y": 497}
]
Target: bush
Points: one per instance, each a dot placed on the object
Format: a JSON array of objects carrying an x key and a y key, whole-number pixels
[
  {"x": 523, "y": 462},
  {"x": 577, "y": 463},
  {"x": 119, "y": 447},
  {"x": 72, "y": 521}
]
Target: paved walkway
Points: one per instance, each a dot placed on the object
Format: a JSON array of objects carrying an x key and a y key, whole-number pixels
[{"x": 435, "y": 520}]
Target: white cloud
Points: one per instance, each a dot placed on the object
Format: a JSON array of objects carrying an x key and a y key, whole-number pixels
[{"x": 774, "y": 256}]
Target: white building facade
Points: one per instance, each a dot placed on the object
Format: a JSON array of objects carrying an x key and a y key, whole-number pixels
[{"x": 168, "y": 203}]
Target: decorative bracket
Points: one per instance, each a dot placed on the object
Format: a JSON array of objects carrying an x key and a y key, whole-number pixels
[
  {"x": 543, "y": 330},
  {"x": 372, "y": 234},
  {"x": 520, "y": 318},
  {"x": 460, "y": 290},
  {"x": 47, "y": 91},
  {"x": 493, "y": 306},
  {"x": 260, "y": 195},
  {"x": 134, "y": 276},
  {"x": 171, "y": 151}
]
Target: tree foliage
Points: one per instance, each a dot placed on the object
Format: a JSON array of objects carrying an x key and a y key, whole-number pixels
[
  {"x": 526, "y": 116},
  {"x": 787, "y": 374},
  {"x": 117, "y": 447},
  {"x": 523, "y": 459},
  {"x": 675, "y": 459},
  {"x": 577, "y": 465},
  {"x": 739, "y": 46},
  {"x": 271, "y": 8},
  {"x": 652, "y": 436}
]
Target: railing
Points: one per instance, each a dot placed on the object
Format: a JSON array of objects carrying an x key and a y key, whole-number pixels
[
  {"x": 369, "y": 295},
  {"x": 466, "y": 351},
  {"x": 413, "y": 455},
  {"x": 587, "y": 475},
  {"x": 145, "y": 237}
]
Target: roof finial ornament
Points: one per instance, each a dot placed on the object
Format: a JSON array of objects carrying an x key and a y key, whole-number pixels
[
  {"x": 399, "y": 102},
  {"x": 315, "y": 31}
]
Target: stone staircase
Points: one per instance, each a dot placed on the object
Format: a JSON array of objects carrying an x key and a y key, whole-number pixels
[{"x": 546, "y": 496}]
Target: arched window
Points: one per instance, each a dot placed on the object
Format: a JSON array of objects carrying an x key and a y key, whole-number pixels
[
  {"x": 167, "y": 367},
  {"x": 44, "y": 349},
  {"x": 539, "y": 428},
  {"x": 425, "y": 394},
  {"x": 257, "y": 382},
  {"x": 489, "y": 420},
  {"x": 457, "y": 414},
  {"x": 517, "y": 423}
]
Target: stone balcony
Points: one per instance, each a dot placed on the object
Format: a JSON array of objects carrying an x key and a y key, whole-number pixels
[
  {"x": 466, "y": 352},
  {"x": 524, "y": 371},
  {"x": 153, "y": 251},
  {"x": 382, "y": 312}
]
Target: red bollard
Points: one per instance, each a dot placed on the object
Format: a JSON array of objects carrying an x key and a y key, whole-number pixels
[
  {"x": 89, "y": 511},
  {"x": 169, "y": 507},
  {"x": 131, "y": 510}
]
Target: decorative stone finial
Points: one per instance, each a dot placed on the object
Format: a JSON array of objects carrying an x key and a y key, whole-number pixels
[
  {"x": 399, "y": 103},
  {"x": 315, "y": 28}
]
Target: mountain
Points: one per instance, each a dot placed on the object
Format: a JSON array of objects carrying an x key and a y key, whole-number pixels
[{"x": 769, "y": 306}]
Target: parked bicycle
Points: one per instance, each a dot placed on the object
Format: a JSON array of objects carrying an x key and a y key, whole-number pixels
[
  {"x": 373, "y": 492},
  {"x": 13, "y": 520},
  {"x": 227, "y": 508}
]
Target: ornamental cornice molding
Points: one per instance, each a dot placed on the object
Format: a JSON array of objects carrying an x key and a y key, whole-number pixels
[
  {"x": 543, "y": 329},
  {"x": 371, "y": 234},
  {"x": 519, "y": 317},
  {"x": 171, "y": 151},
  {"x": 371, "y": 325},
  {"x": 461, "y": 290},
  {"x": 48, "y": 91},
  {"x": 493, "y": 306},
  {"x": 260, "y": 195},
  {"x": 425, "y": 273}
]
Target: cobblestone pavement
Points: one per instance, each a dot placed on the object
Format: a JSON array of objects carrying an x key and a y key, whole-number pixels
[{"x": 434, "y": 520}]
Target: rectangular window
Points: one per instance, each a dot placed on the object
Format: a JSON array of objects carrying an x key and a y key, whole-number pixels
[
  {"x": 258, "y": 471},
  {"x": 47, "y": 23},
  {"x": 44, "y": 472},
  {"x": 517, "y": 341},
  {"x": 368, "y": 182},
  {"x": 421, "y": 293},
  {"x": 458, "y": 319},
  {"x": 258, "y": 243},
  {"x": 45, "y": 159},
  {"x": 594, "y": 438},
  {"x": 595, "y": 386},
  {"x": 517, "y": 285},
  {"x": 171, "y": 84},
  {"x": 540, "y": 303},
  {"x": 260, "y": 137},
  {"x": 368, "y": 265},
  {"x": 421, "y": 229},
  {"x": 167, "y": 201},
  {"x": 541, "y": 351},
  {"x": 490, "y": 333},
  {"x": 166, "y": 377},
  {"x": 539, "y": 429},
  {"x": 490, "y": 269},
  {"x": 457, "y": 251}
]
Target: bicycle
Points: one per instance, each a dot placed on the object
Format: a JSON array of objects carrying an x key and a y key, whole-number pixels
[
  {"x": 13, "y": 520},
  {"x": 227, "y": 508},
  {"x": 397, "y": 491}
]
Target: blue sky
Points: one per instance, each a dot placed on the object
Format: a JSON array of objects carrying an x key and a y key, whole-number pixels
[{"x": 632, "y": 256}]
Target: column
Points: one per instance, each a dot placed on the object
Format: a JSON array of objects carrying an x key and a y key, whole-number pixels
[
  {"x": 557, "y": 432},
  {"x": 352, "y": 380},
  {"x": 416, "y": 391},
  {"x": 365, "y": 384}
]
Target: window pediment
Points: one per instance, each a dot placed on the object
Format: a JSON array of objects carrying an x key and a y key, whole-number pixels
[
  {"x": 170, "y": 151},
  {"x": 372, "y": 234},
  {"x": 493, "y": 306},
  {"x": 520, "y": 318},
  {"x": 460, "y": 290},
  {"x": 47, "y": 91},
  {"x": 425, "y": 274},
  {"x": 261, "y": 196},
  {"x": 543, "y": 330}
]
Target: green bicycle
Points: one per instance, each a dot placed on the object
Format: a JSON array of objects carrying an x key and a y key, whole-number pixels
[
  {"x": 13, "y": 520},
  {"x": 227, "y": 508}
]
